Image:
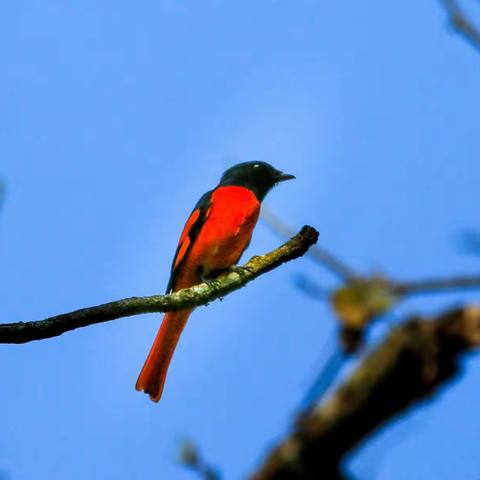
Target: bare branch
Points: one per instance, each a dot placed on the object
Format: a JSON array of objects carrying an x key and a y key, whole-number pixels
[
  {"x": 323, "y": 256},
  {"x": 410, "y": 365},
  {"x": 202, "y": 294},
  {"x": 461, "y": 23}
]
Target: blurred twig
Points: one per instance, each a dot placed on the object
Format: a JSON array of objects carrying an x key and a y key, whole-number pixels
[
  {"x": 191, "y": 458},
  {"x": 311, "y": 288},
  {"x": 434, "y": 285},
  {"x": 326, "y": 258},
  {"x": 2, "y": 193},
  {"x": 410, "y": 365},
  {"x": 323, "y": 381},
  {"x": 469, "y": 242},
  {"x": 461, "y": 23}
]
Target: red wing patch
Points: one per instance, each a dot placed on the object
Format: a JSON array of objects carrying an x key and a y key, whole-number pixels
[{"x": 184, "y": 242}]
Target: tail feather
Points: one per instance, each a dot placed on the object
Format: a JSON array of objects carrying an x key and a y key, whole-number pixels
[{"x": 154, "y": 372}]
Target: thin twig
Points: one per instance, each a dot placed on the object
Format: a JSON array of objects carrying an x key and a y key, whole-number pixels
[
  {"x": 323, "y": 256},
  {"x": 2, "y": 193},
  {"x": 461, "y": 23},
  {"x": 202, "y": 294}
]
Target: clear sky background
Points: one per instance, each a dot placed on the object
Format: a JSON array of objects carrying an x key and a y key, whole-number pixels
[{"x": 115, "y": 116}]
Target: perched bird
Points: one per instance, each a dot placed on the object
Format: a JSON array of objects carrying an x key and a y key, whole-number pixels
[{"x": 217, "y": 232}]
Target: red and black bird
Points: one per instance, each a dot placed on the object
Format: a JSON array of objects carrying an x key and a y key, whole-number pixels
[{"x": 217, "y": 232}]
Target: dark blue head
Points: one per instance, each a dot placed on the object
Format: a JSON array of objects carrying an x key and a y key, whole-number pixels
[{"x": 259, "y": 177}]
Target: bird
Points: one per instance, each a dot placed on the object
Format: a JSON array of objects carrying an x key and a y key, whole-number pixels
[{"x": 217, "y": 232}]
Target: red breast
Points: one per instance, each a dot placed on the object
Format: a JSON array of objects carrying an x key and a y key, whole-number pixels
[{"x": 232, "y": 216}]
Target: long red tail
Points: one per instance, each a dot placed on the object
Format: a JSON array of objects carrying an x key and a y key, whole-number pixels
[{"x": 153, "y": 374}]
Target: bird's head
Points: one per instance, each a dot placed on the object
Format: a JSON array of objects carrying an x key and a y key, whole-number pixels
[{"x": 258, "y": 176}]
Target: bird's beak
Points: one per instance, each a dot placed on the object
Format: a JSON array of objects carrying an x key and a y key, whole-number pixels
[{"x": 282, "y": 177}]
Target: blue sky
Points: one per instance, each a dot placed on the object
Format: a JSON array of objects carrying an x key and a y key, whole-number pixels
[{"x": 116, "y": 117}]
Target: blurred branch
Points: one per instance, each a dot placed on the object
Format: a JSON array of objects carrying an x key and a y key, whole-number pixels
[
  {"x": 323, "y": 256},
  {"x": 461, "y": 23},
  {"x": 358, "y": 303},
  {"x": 202, "y": 294},
  {"x": 410, "y": 365}
]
